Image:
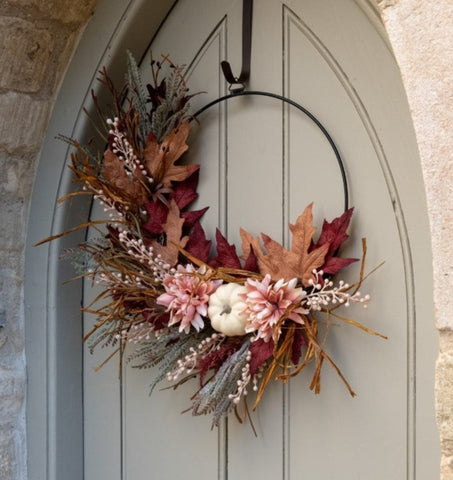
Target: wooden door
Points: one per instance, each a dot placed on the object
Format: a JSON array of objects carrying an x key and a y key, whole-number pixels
[{"x": 261, "y": 164}]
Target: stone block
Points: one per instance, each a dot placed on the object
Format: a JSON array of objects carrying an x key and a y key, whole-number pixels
[
  {"x": 444, "y": 406},
  {"x": 23, "y": 122},
  {"x": 16, "y": 177},
  {"x": 8, "y": 453},
  {"x": 12, "y": 393},
  {"x": 12, "y": 233},
  {"x": 66, "y": 11},
  {"x": 446, "y": 468},
  {"x": 25, "y": 53}
]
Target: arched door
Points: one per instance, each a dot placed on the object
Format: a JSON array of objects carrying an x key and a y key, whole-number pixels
[{"x": 261, "y": 164}]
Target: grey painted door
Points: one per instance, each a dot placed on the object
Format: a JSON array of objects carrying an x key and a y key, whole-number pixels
[{"x": 262, "y": 163}]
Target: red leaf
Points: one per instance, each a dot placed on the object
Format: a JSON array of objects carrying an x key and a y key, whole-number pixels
[
  {"x": 298, "y": 343},
  {"x": 334, "y": 233},
  {"x": 226, "y": 253},
  {"x": 214, "y": 359},
  {"x": 159, "y": 320},
  {"x": 197, "y": 245},
  {"x": 192, "y": 216},
  {"x": 260, "y": 352},
  {"x": 251, "y": 264},
  {"x": 185, "y": 192},
  {"x": 158, "y": 213},
  {"x": 335, "y": 264}
]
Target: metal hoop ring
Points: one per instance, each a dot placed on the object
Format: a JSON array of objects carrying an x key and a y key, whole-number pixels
[{"x": 303, "y": 110}]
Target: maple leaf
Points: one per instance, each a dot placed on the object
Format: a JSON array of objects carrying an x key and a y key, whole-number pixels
[
  {"x": 334, "y": 233},
  {"x": 198, "y": 245},
  {"x": 129, "y": 188},
  {"x": 251, "y": 262},
  {"x": 226, "y": 253},
  {"x": 184, "y": 193},
  {"x": 160, "y": 158},
  {"x": 299, "y": 262},
  {"x": 173, "y": 231},
  {"x": 334, "y": 264},
  {"x": 157, "y": 212},
  {"x": 192, "y": 216},
  {"x": 260, "y": 352}
]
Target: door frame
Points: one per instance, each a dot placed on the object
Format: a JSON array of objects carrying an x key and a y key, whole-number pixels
[{"x": 52, "y": 311}]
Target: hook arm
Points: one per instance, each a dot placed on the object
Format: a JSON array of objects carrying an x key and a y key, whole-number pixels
[{"x": 247, "y": 15}]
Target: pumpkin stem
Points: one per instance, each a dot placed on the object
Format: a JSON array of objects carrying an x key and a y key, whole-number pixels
[{"x": 225, "y": 309}]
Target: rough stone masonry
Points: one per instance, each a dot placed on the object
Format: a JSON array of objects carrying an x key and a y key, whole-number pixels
[{"x": 37, "y": 39}]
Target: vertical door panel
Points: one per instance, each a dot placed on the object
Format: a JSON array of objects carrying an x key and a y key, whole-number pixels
[{"x": 348, "y": 435}]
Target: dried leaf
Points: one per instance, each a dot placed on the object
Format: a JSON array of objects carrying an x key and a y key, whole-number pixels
[
  {"x": 298, "y": 262},
  {"x": 173, "y": 230},
  {"x": 130, "y": 188},
  {"x": 160, "y": 158}
]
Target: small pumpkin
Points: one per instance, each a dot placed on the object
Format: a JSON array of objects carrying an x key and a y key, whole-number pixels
[{"x": 226, "y": 309}]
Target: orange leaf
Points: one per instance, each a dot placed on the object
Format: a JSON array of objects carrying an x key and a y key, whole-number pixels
[
  {"x": 160, "y": 158},
  {"x": 129, "y": 188},
  {"x": 173, "y": 230},
  {"x": 279, "y": 262}
]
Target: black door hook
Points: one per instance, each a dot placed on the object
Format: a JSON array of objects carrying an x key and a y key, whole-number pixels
[{"x": 237, "y": 84}]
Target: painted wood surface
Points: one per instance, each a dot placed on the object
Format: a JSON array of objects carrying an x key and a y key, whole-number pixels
[{"x": 262, "y": 162}]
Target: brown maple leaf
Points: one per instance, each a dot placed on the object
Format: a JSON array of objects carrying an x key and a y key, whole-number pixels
[
  {"x": 173, "y": 231},
  {"x": 279, "y": 262},
  {"x": 128, "y": 188},
  {"x": 160, "y": 158}
]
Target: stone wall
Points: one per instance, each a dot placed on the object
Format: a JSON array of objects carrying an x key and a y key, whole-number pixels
[
  {"x": 421, "y": 34},
  {"x": 37, "y": 38}
]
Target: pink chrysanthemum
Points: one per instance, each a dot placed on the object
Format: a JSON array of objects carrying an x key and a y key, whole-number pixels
[
  {"x": 186, "y": 297},
  {"x": 267, "y": 302}
]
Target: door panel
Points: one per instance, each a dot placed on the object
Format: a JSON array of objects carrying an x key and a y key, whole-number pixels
[{"x": 262, "y": 163}]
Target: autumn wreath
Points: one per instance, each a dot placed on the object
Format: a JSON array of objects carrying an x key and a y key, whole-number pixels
[{"x": 233, "y": 321}]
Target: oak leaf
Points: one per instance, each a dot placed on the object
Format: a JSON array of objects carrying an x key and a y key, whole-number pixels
[
  {"x": 173, "y": 233},
  {"x": 160, "y": 158},
  {"x": 129, "y": 188}
]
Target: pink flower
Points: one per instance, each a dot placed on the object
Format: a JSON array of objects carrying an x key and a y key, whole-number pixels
[
  {"x": 267, "y": 302},
  {"x": 186, "y": 297}
]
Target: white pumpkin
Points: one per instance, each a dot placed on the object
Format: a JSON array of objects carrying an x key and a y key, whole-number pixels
[{"x": 226, "y": 310}]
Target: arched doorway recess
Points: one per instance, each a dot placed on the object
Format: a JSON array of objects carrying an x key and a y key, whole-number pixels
[{"x": 56, "y": 372}]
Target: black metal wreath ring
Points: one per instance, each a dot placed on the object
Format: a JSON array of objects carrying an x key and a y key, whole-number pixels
[{"x": 303, "y": 110}]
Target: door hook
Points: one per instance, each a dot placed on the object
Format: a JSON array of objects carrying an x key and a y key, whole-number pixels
[{"x": 237, "y": 84}]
